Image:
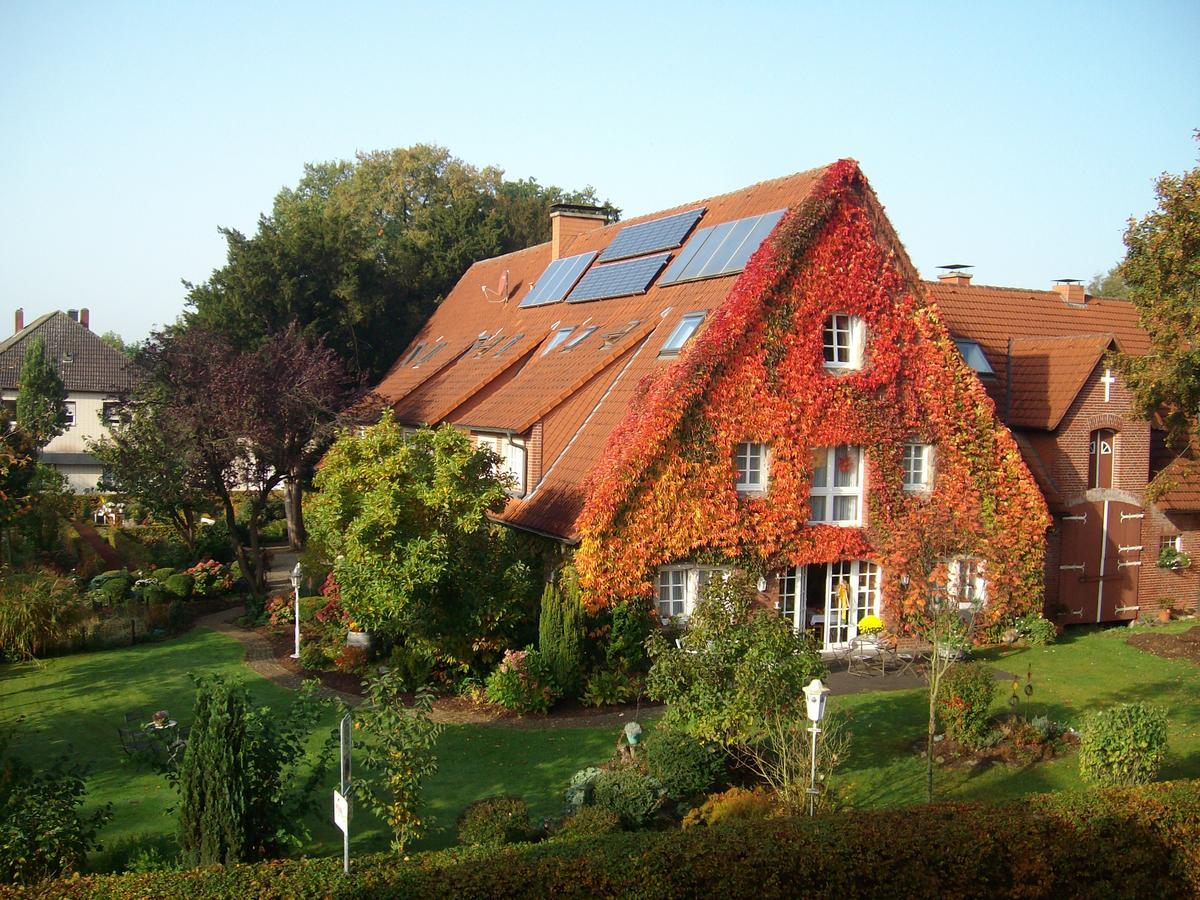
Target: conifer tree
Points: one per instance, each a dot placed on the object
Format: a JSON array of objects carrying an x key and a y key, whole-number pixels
[
  {"x": 41, "y": 396},
  {"x": 212, "y": 781},
  {"x": 560, "y": 632}
]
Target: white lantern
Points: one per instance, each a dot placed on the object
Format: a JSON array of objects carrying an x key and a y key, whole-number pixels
[{"x": 814, "y": 696}]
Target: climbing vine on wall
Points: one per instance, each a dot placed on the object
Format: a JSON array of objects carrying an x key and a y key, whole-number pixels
[{"x": 757, "y": 373}]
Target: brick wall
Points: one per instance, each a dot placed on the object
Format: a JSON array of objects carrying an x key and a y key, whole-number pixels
[
  {"x": 1180, "y": 585},
  {"x": 533, "y": 457}
]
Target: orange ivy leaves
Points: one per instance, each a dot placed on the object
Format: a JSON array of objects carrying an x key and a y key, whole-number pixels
[{"x": 757, "y": 374}]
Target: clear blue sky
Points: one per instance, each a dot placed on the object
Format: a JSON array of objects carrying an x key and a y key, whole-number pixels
[{"x": 1016, "y": 136}]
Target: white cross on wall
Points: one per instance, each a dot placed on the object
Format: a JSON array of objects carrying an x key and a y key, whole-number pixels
[{"x": 1108, "y": 381}]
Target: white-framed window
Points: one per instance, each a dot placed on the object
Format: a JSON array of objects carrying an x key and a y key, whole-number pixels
[
  {"x": 8, "y": 414},
  {"x": 682, "y": 334},
  {"x": 851, "y": 594},
  {"x": 559, "y": 336},
  {"x": 844, "y": 337},
  {"x": 580, "y": 337},
  {"x": 791, "y": 604},
  {"x": 836, "y": 496},
  {"x": 750, "y": 459},
  {"x": 512, "y": 457},
  {"x": 70, "y": 407},
  {"x": 1170, "y": 542},
  {"x": 917, "y": 460},
  {"x": 111, "y": 412},
  {"x": 680, "y": 586},
  {"x": 974, "y": 356},
  {"x": 966, "y": 581}
]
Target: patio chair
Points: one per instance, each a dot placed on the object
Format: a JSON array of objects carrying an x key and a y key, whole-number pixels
[
  {"x": 134, "y": 741},
  {"x": 899, "y": 658},
  {"x": 863, "y": 656}
]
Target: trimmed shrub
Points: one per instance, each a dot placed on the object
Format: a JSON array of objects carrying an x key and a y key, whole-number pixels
[
  {"x": 588, "y": 821},
  {"x": 1117, "y": 841},
  {"x": 112, "y": 586},
  {"x": 632, "y": 623},
  {"x": 1035, "y": 631},
  {"x": 964, "y": 700},
  {"x": 1123, "y": 744},
  {"x": 314, "y": 658},
  {"x": 581, "y": 789},
  {"x": 737, "y": 804},
  {"x": 560, "y": 633},
  {"x": 179, "y": 585},
  {"x": 494, "y": 822},
  {"x": 522, "y": 682},
  {"x": 683, "y": 765},
  {"x": 630, "y": 793}
]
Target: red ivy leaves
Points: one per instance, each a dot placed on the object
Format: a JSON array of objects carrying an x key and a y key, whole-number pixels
[{"x": 757, "y": 373}]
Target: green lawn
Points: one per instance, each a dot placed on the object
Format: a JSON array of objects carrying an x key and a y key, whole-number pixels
[
  {"x": 1084, "y": 670},
  {"x": 74, "y": 704}
]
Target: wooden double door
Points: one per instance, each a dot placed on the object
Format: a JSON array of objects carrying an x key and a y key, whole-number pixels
[{"x": 1099, "y": 562}]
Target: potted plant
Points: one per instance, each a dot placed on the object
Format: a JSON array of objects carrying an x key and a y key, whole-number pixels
[
  {"x": 1171, "y": 557},
  {"x": 1165, "y": 606},
  {"x": 356, "y": 638}
]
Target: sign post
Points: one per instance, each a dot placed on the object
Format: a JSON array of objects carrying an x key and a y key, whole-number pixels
[{"x": 341, "y": 801}]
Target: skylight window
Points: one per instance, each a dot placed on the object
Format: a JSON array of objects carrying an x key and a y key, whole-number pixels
[
  {"x": 507, "y": 344},
  {"x": 579, "y": 337},
  {"x": 429, "y": 354},
  {"x": 413, "y": 353},
  {"x": 973, "y": 354},
  {"x": 682, "y": 334},
  {"x": 559, "y": 337}
]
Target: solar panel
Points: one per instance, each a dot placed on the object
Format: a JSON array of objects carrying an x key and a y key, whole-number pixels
[
  {"x": 560, "y": 276},
  {"x": 721, "y": 249},
  {"x": 619, "y": 279},
  {"x": 662, "y": 234}
]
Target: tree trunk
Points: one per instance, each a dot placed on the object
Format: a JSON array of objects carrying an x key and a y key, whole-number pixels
[
  {"x": 929, "y": 738},
  {"x": 239, "y": 552},
  {"x": 293, "y": 508}
]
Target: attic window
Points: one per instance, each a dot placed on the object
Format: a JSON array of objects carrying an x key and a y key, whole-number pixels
[
  {"x": 509, "y": 343},
  {"x": 974, "y": 356},
  {"x": 429, "y": 354},
  {"x": 611, "y": 339},
  {"x": 559, "y": 336},
  {"x": 487, "y": 343},
  {"x": 683, "y": 332},
  {"x": 579, "y": 337},
  {"x": 413, "y": 354}
]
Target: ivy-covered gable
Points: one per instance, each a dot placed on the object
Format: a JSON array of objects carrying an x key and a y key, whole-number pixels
[{"x": 759, "y": 374}]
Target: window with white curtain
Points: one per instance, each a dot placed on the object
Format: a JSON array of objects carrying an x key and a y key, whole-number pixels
[{"x": 836, "y": 495}]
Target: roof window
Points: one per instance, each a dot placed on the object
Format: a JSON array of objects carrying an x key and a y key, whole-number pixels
[
  {"x": 579, "y": 337},
  {"x": 974, "y": 356},
  {"x": 682, "y": 334},
  {"x": 558, "y": 337}
]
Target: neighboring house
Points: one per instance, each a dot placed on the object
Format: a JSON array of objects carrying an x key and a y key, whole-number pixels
[
  {"x": 94, "y": 374},
  {"x": 1093, "y": 458},
  {"x": 756, "y": 380}
]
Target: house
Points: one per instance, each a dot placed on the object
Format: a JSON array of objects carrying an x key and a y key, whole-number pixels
[
  {"x": 755, "y": 380},
  {"x": 1045, "y": 359},
  {"x": 95, "y": 376}
]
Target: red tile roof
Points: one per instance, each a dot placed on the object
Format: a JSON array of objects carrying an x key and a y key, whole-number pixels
[
  {"x": 1043, "y": 386},
  {"x": 1178, "y": 478},
  {"x": 579, "y": 394}
]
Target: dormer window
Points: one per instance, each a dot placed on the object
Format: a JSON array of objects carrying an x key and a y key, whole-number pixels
[
  {"x": 682, "y": 334},
  {"x": 974, "y": 356},
  {"x": 843, "y": 342},
  {"x": 751, "y": 461},
  {"x": 917, "y": 461}
]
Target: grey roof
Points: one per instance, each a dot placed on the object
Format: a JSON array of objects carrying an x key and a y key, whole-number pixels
[{"x": 83, "y": 361}]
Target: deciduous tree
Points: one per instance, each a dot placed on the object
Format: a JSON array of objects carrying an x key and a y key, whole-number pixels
[
  {"x": 41, "y": 396},
  {"x": 1162, "y": 269}
]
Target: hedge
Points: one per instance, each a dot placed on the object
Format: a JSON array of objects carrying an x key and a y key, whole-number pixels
[{"x": 1142, "y": 841}]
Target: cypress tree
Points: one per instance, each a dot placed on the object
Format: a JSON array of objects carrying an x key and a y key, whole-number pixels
[
  {"x": 212, "y": 783},
  {"x": 41, "y": 396},
  {"x": 560, "y": 632}
]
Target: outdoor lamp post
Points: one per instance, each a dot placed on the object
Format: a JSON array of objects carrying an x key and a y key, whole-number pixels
[
  {"x": 295, "y": 577},
  {"x": 814, "y": 698}
]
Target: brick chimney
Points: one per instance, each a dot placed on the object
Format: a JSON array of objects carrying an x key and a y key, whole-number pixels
[
  {"x": 85, "y": 318},
  {"x": 568, "y": 221},
  {"x": 1071, "y": 291},
  {"x": 961, "y": 279},
  {"x": 19, "y": 321}
]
